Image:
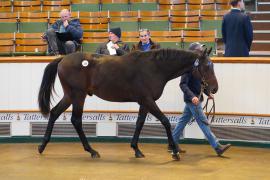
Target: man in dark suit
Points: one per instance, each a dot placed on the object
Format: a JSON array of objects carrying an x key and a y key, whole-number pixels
[{"x": 237, "y": 31}]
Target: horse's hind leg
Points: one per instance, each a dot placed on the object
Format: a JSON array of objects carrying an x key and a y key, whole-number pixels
[
  {"x": 139, "y": 124},
  {"x": 54, "y": 114},
  {"x": 76, "y": 120},
  {"x": 154, "y": 109}
]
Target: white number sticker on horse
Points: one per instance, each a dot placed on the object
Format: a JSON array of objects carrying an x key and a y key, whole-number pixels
[{"x": 85, "y": 63}]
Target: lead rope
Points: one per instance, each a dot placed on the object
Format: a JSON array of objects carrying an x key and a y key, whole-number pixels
[{"x": 203, "y": 86}]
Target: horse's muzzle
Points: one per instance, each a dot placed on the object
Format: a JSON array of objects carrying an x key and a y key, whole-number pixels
[{"x": 214, "y": 91}]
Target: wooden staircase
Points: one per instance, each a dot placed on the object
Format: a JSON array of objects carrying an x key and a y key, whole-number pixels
[
  {"x": 261, "y": 29},
  {"x": 263, "y": 5}
]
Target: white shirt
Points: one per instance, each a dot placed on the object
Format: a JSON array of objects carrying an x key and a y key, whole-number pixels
[{"x": 110, "y": 48}]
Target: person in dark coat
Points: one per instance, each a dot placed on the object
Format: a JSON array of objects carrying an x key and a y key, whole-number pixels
[
  {"x": 114, "y": 46},
  {"x": 145, "y": 43},
  {"x": 64, "y": 36},
  {"x": 237, "y": 31}
]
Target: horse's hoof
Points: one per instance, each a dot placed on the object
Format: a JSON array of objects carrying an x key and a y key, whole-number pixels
[
  {"x": 95, "y": 155},
  {"x": 41, "y": 149},
  {"x": 139, "y": 155},
  {"x": 176, "y": 156}
]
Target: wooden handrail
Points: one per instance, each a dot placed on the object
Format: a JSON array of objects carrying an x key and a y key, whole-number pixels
[
  {"x": 84, "y": 1},
  {"x": 46, "y": 59},
  {"x": 135, "y": 111},
  {"x": 143, "y": 1}
]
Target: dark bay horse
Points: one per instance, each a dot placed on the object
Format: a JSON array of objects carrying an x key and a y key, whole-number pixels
[{"x": 136, "y": 77}]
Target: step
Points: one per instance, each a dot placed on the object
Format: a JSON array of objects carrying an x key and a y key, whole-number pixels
[
  {"x": 220, "y": 53},
  {"x": 259, "y": 15},
  {"x": 261, "y": 25},
  {"x": 261, "y": 35},
  {"x": 260, "y": 46},
  {"x": 260, "y": 53},
  {"x": 263, "y": 7}
]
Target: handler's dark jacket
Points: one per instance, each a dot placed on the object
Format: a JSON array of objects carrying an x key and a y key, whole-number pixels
[
  {"x": 73, "y": 30},
  {"x": 191, "y": 86},
  {"x": 237, "y": 33},
  {"x": 138, "y": 46},
  {"x": 123, "y": 48}
]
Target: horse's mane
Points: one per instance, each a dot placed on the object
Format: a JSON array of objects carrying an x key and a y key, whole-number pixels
[{"x": 164, "y": 54}]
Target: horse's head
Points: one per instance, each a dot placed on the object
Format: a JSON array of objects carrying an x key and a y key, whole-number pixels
[{"x": 204, "y": 69}]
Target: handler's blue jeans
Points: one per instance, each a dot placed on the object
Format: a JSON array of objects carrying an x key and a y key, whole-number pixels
[{"x": 190, "y": 111}]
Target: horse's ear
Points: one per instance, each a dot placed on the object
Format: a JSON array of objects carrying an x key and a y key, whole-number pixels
[
  {"x": 209, "y": 51},
  {"x": 204, "y": 52},
  {"x": 203, "y": 56}
]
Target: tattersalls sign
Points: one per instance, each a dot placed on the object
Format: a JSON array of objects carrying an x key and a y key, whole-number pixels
[
  {"x": 243, "y": 121},
  {"x": 220, "y": 120}
]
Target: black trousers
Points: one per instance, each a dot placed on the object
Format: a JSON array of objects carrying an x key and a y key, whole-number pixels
[{"x": 57, "y": 47}]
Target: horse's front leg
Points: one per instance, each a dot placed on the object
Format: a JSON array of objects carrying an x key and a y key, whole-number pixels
[
  {"x": 139, "y": 124},
  {"x": 154, "y": 109}
]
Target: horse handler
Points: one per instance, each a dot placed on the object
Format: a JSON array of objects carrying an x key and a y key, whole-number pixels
[{"x": 191, "y": 87}]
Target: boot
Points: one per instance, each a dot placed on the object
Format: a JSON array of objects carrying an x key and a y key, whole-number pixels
[
  {"x": 222, "y": 148},
  {"x": 170, "y": 149}
]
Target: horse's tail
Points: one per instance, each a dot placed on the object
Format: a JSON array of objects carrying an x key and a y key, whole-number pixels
[{"x": 47, "y": 85}]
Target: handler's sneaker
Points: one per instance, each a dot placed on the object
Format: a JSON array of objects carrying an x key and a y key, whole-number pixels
[
  {"x": 179, "y": 149},
  {"x": 222, "y": 148}
]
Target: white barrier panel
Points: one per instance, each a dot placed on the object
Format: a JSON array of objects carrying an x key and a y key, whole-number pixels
[{"x": 243, "y": 88}]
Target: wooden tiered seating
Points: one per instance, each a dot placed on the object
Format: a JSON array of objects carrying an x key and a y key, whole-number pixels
[
  {"x": 30, "y": 44},
  {"x": 213, "y": 14},
  {"x": 6, "y": 44},
  {"x": 127, "y": 20},
  {"x": 143, "y": 5},
  {"x": 5, "y": 6},
  {"x": 55, "y": 5},
  {"x": 26, "y": 6},
  {"x": 130, "y": 36},
  {"x": 91, "y": 40},
  {"x": 212, "y": 20},
  {"x": 154, "y": 20},
  {"x": 114, "y": 5},
  {"x": 94, "y": 21},
  {"x": 223, "y": 4},
  {"x": 8, "y": 22},
  {"x": 167, "y": 39},
  {"x": 187, "y": 20},
  {"x": 32, "y": 22},
  {"x": 206, "y": 37},
  {"x": 179, "y": 5},
  {"x": 85, "y": 5}
]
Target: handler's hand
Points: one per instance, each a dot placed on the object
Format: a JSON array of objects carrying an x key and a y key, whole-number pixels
[
  {"x": 195, "y": 100},
  {"x": 211, "y": 96}
]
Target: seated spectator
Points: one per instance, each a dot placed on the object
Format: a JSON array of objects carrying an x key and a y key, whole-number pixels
[
  {"x": 64, "y": 35},
  {"x": 114, "y": 46},
  {"x": 145, "y": 43}
]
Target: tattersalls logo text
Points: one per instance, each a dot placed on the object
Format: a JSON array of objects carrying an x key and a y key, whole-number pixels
[
  {"x": 7, "y": 116},
  {"x": 238, "y": 120},
  {"x": 264, "y": 121}
]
